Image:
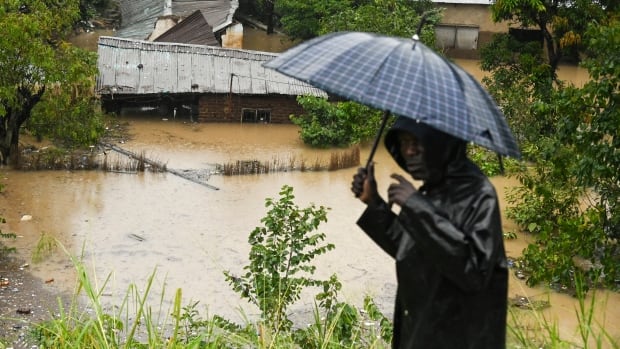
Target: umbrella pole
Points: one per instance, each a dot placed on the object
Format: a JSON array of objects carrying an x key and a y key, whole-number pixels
[
  {"x": 386, "y": 114},
  {"x": 501, "y": 164}
]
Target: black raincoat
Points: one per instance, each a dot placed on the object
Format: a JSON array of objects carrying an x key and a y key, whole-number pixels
[{"x": 448, "y": 246}]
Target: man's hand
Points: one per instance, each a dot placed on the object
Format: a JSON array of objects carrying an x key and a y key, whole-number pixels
[
  {"x": 364, "y": 185},
  {"x": 398, "y": 193}
]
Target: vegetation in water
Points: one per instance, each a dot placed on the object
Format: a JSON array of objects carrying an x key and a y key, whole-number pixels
[
  {"x": 4, "y": 250},
  {"x": 569, "y": 195}
]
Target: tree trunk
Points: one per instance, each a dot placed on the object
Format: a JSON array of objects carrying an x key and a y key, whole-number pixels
[
  {"x": 269, "y": 6},
  {"x": 12, "y": 122},
  {"x": 5, "y": 141}
]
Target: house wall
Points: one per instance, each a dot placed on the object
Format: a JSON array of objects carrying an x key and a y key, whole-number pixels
[
  {"x": 233, "y": 37},
  {"x": 471, "y": 15},
  {"x": 222, "y": 108}
]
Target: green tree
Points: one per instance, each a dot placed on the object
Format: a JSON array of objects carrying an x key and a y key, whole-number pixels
[
  {"x": 36, "y": 65},
  {"x": 570, "y": 197},
  {"x": 325, "y": 124},
  {"x": 90, "y": 8},
  {"x": 561, "y": 22},
  {"x": 389, "y": 17},
  {"x": 307, "y": 19},
  {"x": 302, "y": 19}
]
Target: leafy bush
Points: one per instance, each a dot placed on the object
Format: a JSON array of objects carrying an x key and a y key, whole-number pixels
[
  {"x": 280, "y": 258},
  {"x": 340, "y": 124},
  {"x": 491, "y": 163}
]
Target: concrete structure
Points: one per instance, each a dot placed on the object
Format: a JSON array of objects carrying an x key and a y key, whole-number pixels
[
  {"x": 466, "y": 26},
  {"x": 214, "y": 83}
]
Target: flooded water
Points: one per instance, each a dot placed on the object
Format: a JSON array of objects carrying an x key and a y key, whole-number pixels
[{"x": 129, "y": 226}]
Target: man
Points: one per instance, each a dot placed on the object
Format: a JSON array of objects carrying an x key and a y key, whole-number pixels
[{"x": 447, "y": 242}]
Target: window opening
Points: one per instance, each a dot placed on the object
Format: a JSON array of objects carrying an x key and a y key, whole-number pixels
[
  {"x": 256, "y": 115},
  {"x": 248, "y": 115},
  {"x": 264, "y": 115}
]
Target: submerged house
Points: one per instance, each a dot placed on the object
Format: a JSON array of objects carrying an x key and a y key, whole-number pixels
[{"x": 215, "y": 84}]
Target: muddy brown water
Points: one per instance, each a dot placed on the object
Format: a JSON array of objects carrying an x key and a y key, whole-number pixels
[{"x": 128, "y": 227}]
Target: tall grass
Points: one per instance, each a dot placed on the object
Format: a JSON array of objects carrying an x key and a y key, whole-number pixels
[
  {"x": 136, "y": 323},
  {"x": 338, "y": 160},
  {"x": 59, "y": 159},
  {"x": 531, "y": 329}
]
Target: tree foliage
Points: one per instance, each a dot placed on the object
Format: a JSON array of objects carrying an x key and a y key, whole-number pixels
[
  {"x": 570, "y": 196},
  {"x": 519, "y": 73},
  {"x": 302, "y": 19},
  {"x": 325, "y": 124},
  {"x": 389, "y": 17},
  {"x": 37, "y": 66},
  {"x": 281, "y": 258},
  {"x": 561, "y": 22},
  {"x": 307, "y": 19}
]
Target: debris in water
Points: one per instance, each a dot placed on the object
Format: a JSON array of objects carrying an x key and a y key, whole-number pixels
[
  {"x": 524, "y": 302},
  {"x": 136, "y": 237}
]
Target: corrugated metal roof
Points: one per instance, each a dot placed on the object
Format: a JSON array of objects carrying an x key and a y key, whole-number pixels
[
  {"x": 128, "y": 66},
  {"x": 192, "y": 30},
  {"x": 219, "y": 13},
  {"x": 139, "y": 16}
]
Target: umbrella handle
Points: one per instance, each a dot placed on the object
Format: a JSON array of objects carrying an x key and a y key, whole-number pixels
[{"x": 386, "y": 114}]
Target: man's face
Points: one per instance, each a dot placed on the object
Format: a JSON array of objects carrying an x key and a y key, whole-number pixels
[{"x": 413, "y": 154}]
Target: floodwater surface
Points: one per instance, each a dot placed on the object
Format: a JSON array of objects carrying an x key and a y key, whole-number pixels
[
  {"x": 130, "y": 226},
  {"x": 127, "y": 227}
]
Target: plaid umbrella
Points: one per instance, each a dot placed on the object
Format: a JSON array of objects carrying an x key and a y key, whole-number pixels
[{"x": 402, "y": 77}]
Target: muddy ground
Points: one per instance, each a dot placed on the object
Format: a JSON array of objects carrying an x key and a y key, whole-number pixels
[{"x": 25, "y": 301}]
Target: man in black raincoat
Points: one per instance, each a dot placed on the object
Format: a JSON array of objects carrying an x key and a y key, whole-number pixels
[{"x": 446, "y": 240}]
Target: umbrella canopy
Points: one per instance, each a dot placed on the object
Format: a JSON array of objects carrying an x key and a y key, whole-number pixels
[{"x": 402, "y": 77}]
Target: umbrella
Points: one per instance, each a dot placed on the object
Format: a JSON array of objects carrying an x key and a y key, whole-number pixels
[{"x": 402, "y": 77}]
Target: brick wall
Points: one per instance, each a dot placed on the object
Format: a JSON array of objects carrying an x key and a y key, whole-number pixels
[{"x": 222, "y": 108}]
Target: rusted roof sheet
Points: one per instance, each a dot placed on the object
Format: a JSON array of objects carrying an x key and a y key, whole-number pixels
[
  {"x": 192, "y": 30},
  {"x": 139, "y": 16},
  {"x": 128, "y": 66},
  {"x": 218, "y": 13}
]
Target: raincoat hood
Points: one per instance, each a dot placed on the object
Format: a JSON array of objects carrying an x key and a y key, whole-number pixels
[{"x": 443, "y": 156}]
